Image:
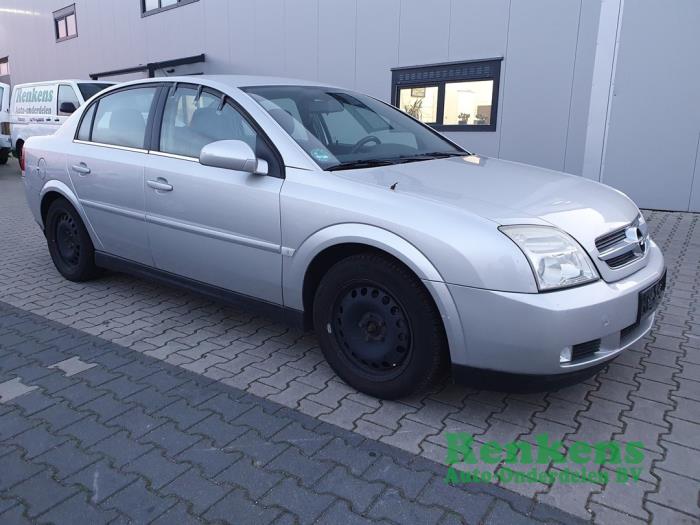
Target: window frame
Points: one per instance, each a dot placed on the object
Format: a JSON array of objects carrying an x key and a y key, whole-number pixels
[
  {"x": 168, "y": 87},
  {"x": 6, "y": 62},
  {"x": 62, "y": 15},
  {"x": 149, "y": 122},
  {"x": 449, "y": 73},
  {"x": 161, "y": 9}
]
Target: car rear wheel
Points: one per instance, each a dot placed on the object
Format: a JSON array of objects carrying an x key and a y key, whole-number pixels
[
  {"x": 378, "y": 327},
  {"x": 4, "y": 155},
  {"x": 70, "y": 246}
]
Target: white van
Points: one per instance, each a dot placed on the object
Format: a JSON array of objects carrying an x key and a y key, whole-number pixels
[
  {"x": 5, "y": 140},
  {"x": 40, "y": 108}
]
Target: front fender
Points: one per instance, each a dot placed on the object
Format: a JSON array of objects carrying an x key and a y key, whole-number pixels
[
  {"x": 295, "y": 266},
  {"x": 56, "y": 186}
]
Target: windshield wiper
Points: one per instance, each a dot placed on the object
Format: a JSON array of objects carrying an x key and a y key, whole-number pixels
[
  {"x": 359, "y": 164},
  {"x": 433, "y": 155}
]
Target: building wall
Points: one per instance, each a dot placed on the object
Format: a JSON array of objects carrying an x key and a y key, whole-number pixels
[
  {"x": 653, "y": 129},
  {"x": 548, "y": 48}
]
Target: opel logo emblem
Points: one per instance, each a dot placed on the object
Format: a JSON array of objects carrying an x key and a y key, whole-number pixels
[{"x": 635, "y": 236}]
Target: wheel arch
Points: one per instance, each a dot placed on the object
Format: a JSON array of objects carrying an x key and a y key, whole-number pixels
[
  {"x": 55, "y": 189},
  {"x": 304, "y": 270}
]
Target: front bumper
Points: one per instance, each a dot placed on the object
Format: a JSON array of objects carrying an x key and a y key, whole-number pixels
[{"x": 525, "y": 333}]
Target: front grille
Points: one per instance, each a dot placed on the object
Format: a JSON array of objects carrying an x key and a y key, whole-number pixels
[
  {"x": 624, "y": 245},
  {"x": 609, "y": 240},
  {"x": 583, "y": 350},
  {"x": 621, "y": 260}
]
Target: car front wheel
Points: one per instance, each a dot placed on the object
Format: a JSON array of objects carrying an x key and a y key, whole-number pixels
[
  {"x": 378, "y": 327},
  {"x": 69, "y": 243}
]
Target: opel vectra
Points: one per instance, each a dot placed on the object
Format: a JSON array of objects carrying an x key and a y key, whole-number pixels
[{"x": 405, "y": 253}]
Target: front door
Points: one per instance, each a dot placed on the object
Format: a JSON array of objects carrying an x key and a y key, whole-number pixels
[
  {"x": 217, "y": 226},
  {"x": 106, "y": 167}
]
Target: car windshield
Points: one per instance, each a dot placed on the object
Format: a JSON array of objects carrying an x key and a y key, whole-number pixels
[
  {"x": 342, "y": 130},
  {"x": 90, "y": 89}
]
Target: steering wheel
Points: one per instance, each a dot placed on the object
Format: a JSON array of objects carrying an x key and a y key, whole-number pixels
[{"x": 363, "y": 142}]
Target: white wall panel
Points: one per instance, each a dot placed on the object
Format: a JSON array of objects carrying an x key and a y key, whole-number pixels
[
  {"x": 424, "y": 32},
  {"x": 301, "y": 39},
  {"x": 377, "y": 45},
  {"x": 655, "y": 113},
  {"x": 538, "y": 80},
  {"x": 337, "y": 24}
]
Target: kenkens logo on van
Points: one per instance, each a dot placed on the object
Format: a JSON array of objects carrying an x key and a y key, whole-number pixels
[{"x": 35, "y": 95}]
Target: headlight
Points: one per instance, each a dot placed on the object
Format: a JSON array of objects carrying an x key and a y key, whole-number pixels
[{"x": 557, "y": 260}]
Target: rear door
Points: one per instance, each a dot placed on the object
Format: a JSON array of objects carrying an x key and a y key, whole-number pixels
[{"x": 106, "y": 166}]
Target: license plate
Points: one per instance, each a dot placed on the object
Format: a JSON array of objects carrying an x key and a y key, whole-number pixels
[{"x": 650, "y": 297}]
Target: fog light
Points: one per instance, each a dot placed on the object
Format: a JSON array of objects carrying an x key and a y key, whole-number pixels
[{"x": 565, "y": 356}]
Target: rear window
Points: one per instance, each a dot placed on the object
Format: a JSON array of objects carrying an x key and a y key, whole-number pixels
[{"x": 87, "y": 90}]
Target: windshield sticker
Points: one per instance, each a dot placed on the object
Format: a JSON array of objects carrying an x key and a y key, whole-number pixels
[{"x": 320, "y": 154}]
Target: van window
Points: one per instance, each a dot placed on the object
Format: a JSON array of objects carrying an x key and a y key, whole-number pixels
[
  {"x": 2, "y": 94},
  {"x": 191, "y": 122},
  {"x": 88, "y": 90},
  {"x": 121, "y": 117},
  {"x": 67, "y": 94}
]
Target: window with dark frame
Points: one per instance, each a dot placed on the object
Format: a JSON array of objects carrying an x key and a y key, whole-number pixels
[
  {"x": 457, "y": 96},
  {"x": 65, "y": 23},
  {"x": 4, "y": 66},
  {"x": 151, "y": 7}
]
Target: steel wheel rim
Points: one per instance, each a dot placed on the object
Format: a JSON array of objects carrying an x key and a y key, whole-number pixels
[
  {"x": 372, "y": 330},
  {"x": 68, "y": 240}
]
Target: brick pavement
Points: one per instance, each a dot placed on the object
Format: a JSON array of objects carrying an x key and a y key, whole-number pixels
[
  {"x": 650, "y": 392},
  {"x": 93, "y": 432}
]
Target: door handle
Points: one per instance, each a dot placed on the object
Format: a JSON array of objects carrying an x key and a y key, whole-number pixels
[
  {"x": 81, "y": 168},
  {"x": 160, "y": 184}
]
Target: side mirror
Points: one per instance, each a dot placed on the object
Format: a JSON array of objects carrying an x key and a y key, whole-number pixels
[
  {"x": 232, "y": 155},
  {"x": 67, "y": 107}
]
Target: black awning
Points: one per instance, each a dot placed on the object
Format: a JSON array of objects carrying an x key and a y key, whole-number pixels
[{"x": 151, "y": 67}]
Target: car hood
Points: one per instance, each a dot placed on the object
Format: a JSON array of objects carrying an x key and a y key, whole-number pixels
[
  {"x": 509, "y": 193},
  {"x": 512, "y": 193}
]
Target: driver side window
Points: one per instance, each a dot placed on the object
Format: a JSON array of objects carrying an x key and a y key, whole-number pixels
[{"x": 192, "y": 120}]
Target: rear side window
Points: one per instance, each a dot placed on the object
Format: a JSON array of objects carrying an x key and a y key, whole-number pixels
[
  {"x": 86, "y": 124},
  {"x": 121, "y": 117},
  {"x": 66, "y": 94},
  {"x": 191, "y": 121},
  {"x": 2, "y": 94}
]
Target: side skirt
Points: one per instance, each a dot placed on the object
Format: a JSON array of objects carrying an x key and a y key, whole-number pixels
[{"x": 274, "y": 311}]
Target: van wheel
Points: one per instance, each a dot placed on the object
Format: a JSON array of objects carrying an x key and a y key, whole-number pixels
[
  {"x": 69, "y": 243},
  {"x": 18, "y": 151},
  {"x": 379, "y": 328},
  {"x": 4, "y": 155}
]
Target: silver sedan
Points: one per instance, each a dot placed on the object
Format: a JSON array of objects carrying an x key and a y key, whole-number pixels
[{"x": 406, "y": 253}]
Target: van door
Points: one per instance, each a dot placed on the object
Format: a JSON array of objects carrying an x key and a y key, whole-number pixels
[
  {"x": 33, "y": 111},
  {"x": 66, "y": 103},
  {"x": 5, "y": 143}
]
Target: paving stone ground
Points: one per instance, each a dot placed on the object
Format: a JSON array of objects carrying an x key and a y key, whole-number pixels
[{"x": 651, "y": 393}]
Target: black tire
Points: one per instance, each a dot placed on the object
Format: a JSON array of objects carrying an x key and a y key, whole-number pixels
[
  {"x": 379, "y": 328},
  {"x": 4, "y": 155},
  {"x": 18, "y": 150},
  {"x": 70, "y": 246}
]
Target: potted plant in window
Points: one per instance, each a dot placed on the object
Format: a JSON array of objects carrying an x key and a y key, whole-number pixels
[
  {"x": 415, "y": 109},
  {"x": 463, "y": 119},
  {"x": 480, "y": 119}
]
